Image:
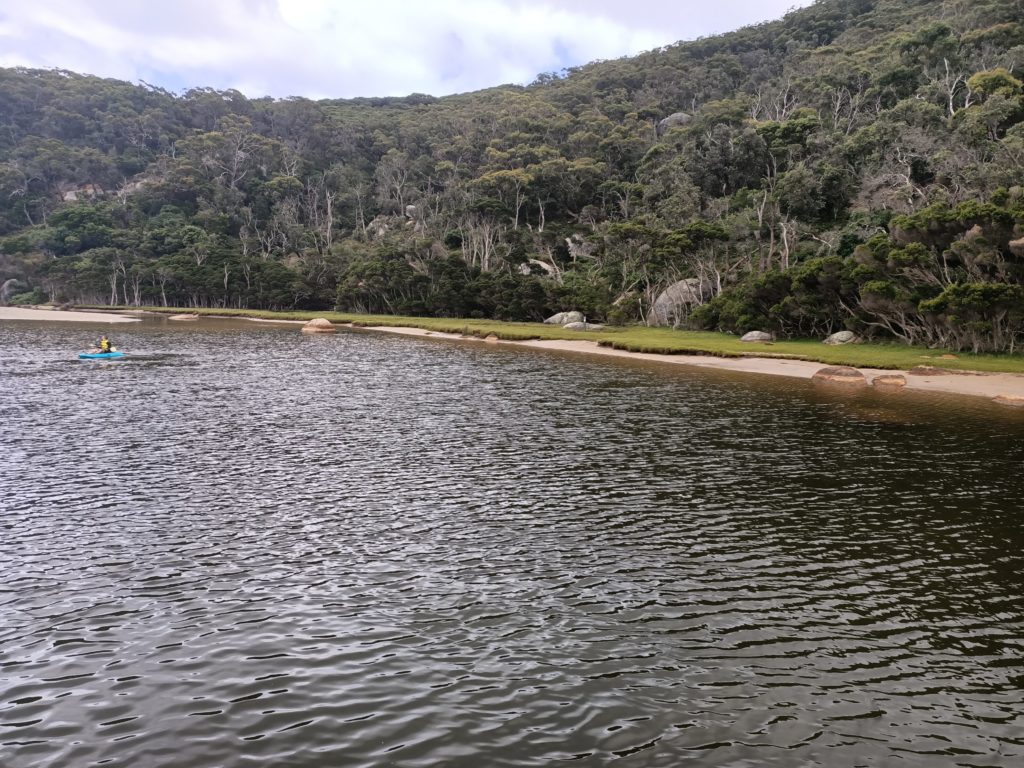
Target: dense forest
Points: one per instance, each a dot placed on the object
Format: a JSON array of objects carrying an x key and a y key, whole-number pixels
[{"x": 857, "y": 164}]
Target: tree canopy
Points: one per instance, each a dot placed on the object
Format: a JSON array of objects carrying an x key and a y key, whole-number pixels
[{"x": 855, "y": 164}]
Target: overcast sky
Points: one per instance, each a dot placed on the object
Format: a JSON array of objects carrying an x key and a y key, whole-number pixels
[{"x": 345, "y": 48}]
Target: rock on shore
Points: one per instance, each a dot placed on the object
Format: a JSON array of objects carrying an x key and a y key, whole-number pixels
[
  {"x": 841, "y": 337},
  {"x": 564, "y": 318},
  {"x": 319, "y": 325},
  {"x": 889, "y": 382},
  {"x": 840, "y": 374},
  {"x": 1014, "y": 401}
]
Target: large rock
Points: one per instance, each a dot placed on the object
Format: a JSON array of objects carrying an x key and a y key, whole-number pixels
[
  {"x": 564, "y": 318},
  {"x": 378, "y": 226},
  {"x": 84, "y": 192},
  {"x": 1014, "y": 401},
  {"x": 676, "y": 301},
  {"x": 675, "y": 120},
  {"x": 528, "y": 267},
  {"x": 840, "y": 374},
  {"x": 841, "y": 337},
  {"x": 185, "y": 317},
  {"x": 319, "y": 325},
  {"x": 889, "y": 382},
  {"x": 579, "y": 248},
  {"x": 582, "y": 327},
  {"x": 757, "y": 336}
]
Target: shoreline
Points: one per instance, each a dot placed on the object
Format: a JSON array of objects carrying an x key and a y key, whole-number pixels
[
  {"x": 1005, "y": 389},
  {"x": 974, "y": 384}
]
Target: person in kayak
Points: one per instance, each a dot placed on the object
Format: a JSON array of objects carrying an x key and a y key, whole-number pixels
[{"x": 104, "y": 345}]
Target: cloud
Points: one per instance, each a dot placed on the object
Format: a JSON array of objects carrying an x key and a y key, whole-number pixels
[{"x": 326, "y": 48}]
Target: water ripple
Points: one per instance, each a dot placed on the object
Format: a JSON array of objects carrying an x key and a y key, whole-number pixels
[{"x": 242, "y": 546}]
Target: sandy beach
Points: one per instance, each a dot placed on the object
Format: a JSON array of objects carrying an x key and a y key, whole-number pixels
[
  {"x": 36, "y": 313},
  {"x": 1005, "y": 388}
]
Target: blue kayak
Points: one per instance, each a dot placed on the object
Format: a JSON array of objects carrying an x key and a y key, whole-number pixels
[{"x": 99, "y": 355}]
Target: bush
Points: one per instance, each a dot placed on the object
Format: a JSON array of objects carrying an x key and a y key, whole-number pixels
[{"x": 35, "y": 296}]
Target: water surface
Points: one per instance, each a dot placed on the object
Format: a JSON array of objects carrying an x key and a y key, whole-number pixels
[{"x": 243, "y": 546}]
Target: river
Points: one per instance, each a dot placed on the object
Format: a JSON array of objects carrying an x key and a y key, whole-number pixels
[{"x": 242, "y": 546}]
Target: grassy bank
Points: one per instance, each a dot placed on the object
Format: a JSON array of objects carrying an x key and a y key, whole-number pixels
[{"x": 656, "y": 340}]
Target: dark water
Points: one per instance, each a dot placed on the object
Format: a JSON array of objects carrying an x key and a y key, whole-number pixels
[{"x": 245, "y": 547}]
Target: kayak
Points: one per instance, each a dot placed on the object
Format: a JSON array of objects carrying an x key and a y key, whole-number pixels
[{"x": 99, "y": 355}]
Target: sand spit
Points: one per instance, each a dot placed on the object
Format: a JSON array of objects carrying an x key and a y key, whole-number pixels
[{"x": 67, "y": 316}]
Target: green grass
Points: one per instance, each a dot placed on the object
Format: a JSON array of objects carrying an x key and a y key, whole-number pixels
[
  {"x": 657, "y": 340},
  {"x": 874, "y": 355}
]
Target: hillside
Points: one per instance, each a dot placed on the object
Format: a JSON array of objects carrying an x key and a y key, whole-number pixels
[{"x": 857, "y": 164}]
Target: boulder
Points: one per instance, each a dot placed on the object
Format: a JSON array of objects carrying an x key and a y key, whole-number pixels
[
  {"x": 675, "y": 302},
  {"x": 531, "y": 264},
  {"x": 378, "y": 226},
  {"x": 84, "y": 192},
  {"x": 840, "y": 374},
  {"x": 183, "y": 317},
  {"x": 841, "y": 337},
  {"x": 319, "y": 325},
  {"x": 674, "y": 120},
  {"x": 564, "y": 318},
  {"x": 582, "y": 327},
  {"x": 1014, "y": 401},
  {"x": 579, "y": 249},
  {"x": 492, "y": 338},
  {"x": 757, "y": 336},
  {"x": 889, "y": 381}
]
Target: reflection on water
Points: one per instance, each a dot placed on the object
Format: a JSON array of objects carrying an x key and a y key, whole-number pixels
[{"x": 245, "y": 546}]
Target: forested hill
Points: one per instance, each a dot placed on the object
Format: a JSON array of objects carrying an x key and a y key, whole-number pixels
[{"x": 855, "y": 164}]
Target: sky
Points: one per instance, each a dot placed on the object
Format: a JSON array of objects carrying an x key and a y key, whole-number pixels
[{"x": 343, "y": 48}]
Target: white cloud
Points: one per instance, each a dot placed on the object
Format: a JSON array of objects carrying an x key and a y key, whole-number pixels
[{"x": 327, "y": 48}]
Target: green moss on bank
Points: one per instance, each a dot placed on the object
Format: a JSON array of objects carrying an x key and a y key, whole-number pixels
[{"x": 654, "y": 340}]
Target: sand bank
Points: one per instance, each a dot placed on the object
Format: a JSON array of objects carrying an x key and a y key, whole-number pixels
[
  {"x": 974, "y": 384},
  {"x": 36, "y": 313}
]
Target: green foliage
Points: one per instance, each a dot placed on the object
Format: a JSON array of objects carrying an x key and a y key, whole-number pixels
[
  {"x": 806, "y": 300},
  {"x": 27, "y": 298},
  {"x": 386, "y": 283},
  {"x": 589, "y": 294},
  {"x": 790, "y": 135},
  {"x": 995, "y": 81}
]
